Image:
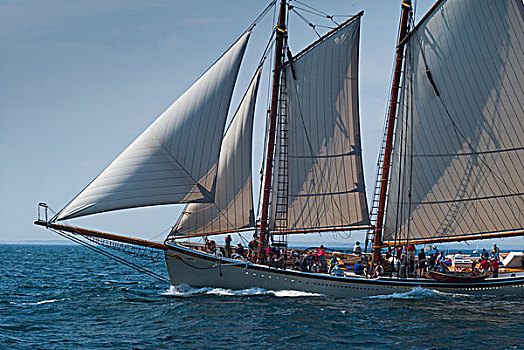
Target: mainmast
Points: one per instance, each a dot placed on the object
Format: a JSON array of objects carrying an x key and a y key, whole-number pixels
[
  {"x": 281, "y": 33},
  {"x": 392, "y": 114}
]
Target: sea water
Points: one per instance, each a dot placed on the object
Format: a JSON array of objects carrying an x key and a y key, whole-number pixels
[{"x": 68, "y": 297}]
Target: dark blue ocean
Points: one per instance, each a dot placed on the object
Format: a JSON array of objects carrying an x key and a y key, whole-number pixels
[{"x": 68, "y": 297}]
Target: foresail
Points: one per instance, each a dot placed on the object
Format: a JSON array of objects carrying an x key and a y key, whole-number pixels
[
  {"x": 232, "y": 207},
  {"x": 459, "y": 148},
  {"x": 173, "y": 160},
  {"x": 324, "y": 157}
]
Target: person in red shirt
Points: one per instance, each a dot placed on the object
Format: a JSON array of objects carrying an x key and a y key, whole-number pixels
[
  {"x": 484, "y": 266},
  {"x": 321, "y": 254},
  {"x": 411, "y": 251},
  {"x": 495, "y": 268}
]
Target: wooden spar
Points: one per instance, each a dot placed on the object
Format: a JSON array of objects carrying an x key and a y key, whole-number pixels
[
  {"x": 513, "y": 233},
  {"x": 281, "y": 32},
  {"x": 392, "y": 113},
  {"x": 98, "y": 234},
  {"x": 326, "y": 229},
  {"x": 211, "y": 233},
  {"x": 328, "y": 34}
]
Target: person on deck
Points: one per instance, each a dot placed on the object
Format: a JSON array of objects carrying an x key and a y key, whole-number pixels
[
  {"x": 310, "y": 262},
  {"x": 240, "y": 249},
  {"x": 484, "y": 254},
  {"x": 295, "y": 258},
  {"x": 211, "y": 246},
  {"x": 484, "y": 265},
  {"x": 421, "y": 263},
  {"x": 441, "y": 258},
  {"x": 228, "y": 246},
  {"x": 388, "y": 267},
  {"x": 432, "y": 261},
  {"x": 337, "y": 270},
  {"x": 411, "y": 251},
  {"x": 333, "y": 262},
  {"x": 357, "y": 249},
  {"x": 251, "y": 251},
  {"x": 495, "y": 252},
  {"x": 304, "y": 266},
  {"x": 495, "y": 268},
  {"x": 443, "y": 267},
  {"x": 359, "y": 268},
  {"x": 459, "y": 256},
  {"x": 379, "y": 270},
  {"x": 401, "y": 265},
  {"x": 321, "y": 254},
  {"x": 411, "y": 267}
]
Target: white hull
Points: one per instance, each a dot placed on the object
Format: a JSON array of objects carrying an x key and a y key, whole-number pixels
[{"x": 198, "y": 269}]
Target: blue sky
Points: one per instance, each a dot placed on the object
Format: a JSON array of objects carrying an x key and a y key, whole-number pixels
[{"x": 79, "y": 80}]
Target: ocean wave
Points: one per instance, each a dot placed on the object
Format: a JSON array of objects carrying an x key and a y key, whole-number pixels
[
  {"x": 42, "y": 302},
  {"x": 416, "y": 293},
  {"x": 186, "y": 290}
]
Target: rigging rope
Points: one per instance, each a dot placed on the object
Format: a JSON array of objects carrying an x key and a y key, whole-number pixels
[
  {"x": 261, "y": 16},
  {"x": 319, "y": 12},
  {"x": 306, "y": 21},
  {"x": 111, "y": 256}
]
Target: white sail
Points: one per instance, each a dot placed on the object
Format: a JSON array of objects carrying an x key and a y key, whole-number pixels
[
  {"x": 232, "y": 207},
  {"x": 174, "y": 159},
  {"x": 459, "y": 148},
  {"x": 324, "y": 160}
]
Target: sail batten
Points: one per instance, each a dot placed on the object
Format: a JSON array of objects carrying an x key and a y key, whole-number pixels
[
  {"x": 174, "y": 159},
  {"x": 232, "y": 205},
  {"x": 459, "y": 150},
  {"x": 322, "y": 164}
]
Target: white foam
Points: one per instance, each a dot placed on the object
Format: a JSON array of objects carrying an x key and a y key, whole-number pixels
[
  {"x": 43, "y": 302},
  {"x": 415, "y": 293},
  {"x": 186, "y": 290},
  {"x": 294, "y": 294}
]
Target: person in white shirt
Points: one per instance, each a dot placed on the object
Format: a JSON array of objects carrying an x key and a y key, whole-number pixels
[
  {"x": 458, "y": 255},
  {"x": 357, "y": 249}
]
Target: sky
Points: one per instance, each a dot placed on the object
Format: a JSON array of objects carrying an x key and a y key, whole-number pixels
[{"x": 80, "y": 80}]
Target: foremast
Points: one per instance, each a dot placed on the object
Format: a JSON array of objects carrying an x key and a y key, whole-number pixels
[
  {"x": 390, "y": 127},
  {"x": 281, "y": 34}
]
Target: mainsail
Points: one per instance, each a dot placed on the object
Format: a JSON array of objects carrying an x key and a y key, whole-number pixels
[
  {"x": 325, "y": 186},
  {"x": 175, "y": 159},
  {"x": 458, "y": 165},
  {"x": 232, "y": 206}
]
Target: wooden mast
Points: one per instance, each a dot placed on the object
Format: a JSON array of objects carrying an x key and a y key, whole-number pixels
[
  {"x": 392, "y": 113},
  {"x": 281, "y": 33}
]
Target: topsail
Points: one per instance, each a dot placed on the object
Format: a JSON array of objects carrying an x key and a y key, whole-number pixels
[
  {"x": 175, "y": 159},
  {"x": 459, "y": 151}
]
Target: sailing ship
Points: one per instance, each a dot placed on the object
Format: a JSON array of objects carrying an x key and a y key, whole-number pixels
[{"x": 451, "y": 168}]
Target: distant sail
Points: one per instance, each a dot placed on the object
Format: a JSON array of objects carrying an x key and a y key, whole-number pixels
[
  {"x": 324, "y": 157},
  {"x": 174, "y": 159},
  {"x": 232, "y": 207},
  {"x": 458, "y": 165}
]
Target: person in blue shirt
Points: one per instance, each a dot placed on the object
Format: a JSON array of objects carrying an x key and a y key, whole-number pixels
[{"x": 359, "y": 268}]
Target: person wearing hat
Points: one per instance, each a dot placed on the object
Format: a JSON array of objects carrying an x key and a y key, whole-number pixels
[{"x": 495, "y": 251}]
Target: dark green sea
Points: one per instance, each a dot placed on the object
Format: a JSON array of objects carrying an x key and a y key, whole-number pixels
[{"x": 68, "y": 297}]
